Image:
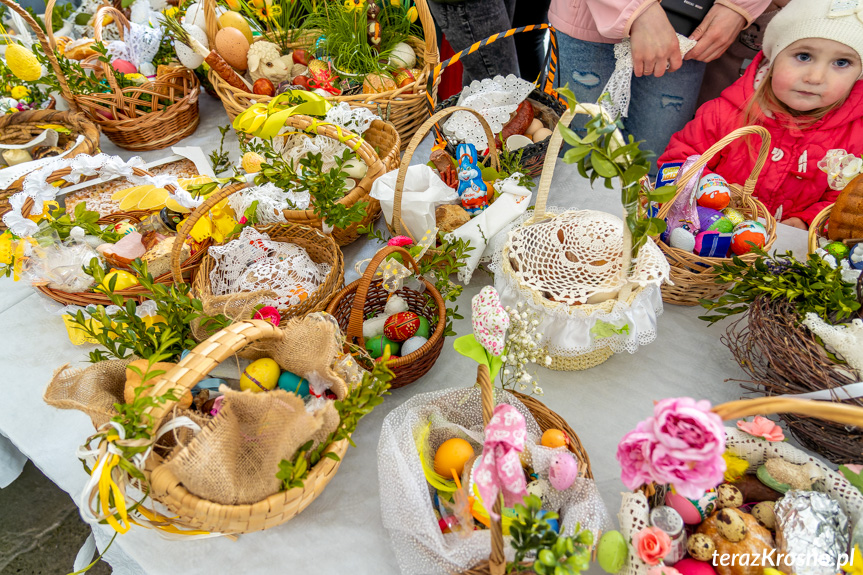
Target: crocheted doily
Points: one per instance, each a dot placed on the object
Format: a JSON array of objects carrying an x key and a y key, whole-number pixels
[
  {"x": 496, "y": 99},
  {"x": 272, "y": 202},
  {"x": 254, "y": 262},
  {"x": 846, "y": 339},
  {"x": 140, "y": 45}
]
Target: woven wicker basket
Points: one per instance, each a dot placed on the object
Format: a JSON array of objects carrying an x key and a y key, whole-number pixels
[
  {"x": 635, "y": 507},
  {"x": 404, "y": 107},
  {"x": 191, "y": 511},
  {"x": 547, "y": 419},
  {"x": 818, "y": 228},
  {"x": 367, "y": 296},
  {"x": 172, "y": 100},
  {"x": 693, "y": 276},
  {"x": 547, "y": 105}
]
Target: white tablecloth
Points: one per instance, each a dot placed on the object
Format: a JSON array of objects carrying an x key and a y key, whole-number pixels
[{"x": 342, "y": 529}]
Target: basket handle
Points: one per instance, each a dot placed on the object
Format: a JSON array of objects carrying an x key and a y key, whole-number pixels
[
  {"x": 207, "y": 355},
  {"x": 355, "y": 323},
  {"x": 122, "y": 26},
  {"x": 546, "y": 81},
  {"x": 748, "y": 186},
  {"x": 416, "y": 140},
  {"x": 816, "y": 225},
  {"x": 212, "y": 23},
  {"x": 842, "y": 413},
  {"x": 496, "y": 560},
  {"x": 47, "y": 43}
]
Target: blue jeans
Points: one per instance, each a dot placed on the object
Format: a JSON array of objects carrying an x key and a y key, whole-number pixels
[{"x": 658, "y": 107}]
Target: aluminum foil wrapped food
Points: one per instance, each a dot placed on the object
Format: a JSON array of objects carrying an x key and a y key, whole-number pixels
[{"x": 811, "y": 533}]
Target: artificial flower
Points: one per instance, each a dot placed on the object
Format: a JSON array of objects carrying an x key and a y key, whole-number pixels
[
  {"x": 762, "y": 427},
  {"x": 652, "y": 544},
  {"x": 662, "y": 570},
  {"x": 351, "y": 5},
  {"x": 268, "y": 313},
  {"x": 490, "y": 320},
  {"x": 19, "y": 92},
  {"x": 233, "y": 5},
  {"x": 855, "y": 565},
  {"x": 634, "y": 455},
  {"x": 275, "y": 11},
  {"x": 412, "y": 14},
  {"x": 400, "y": 241},
  {"x": 396, "y": 2},
  {"x": 735, "y": 467}
]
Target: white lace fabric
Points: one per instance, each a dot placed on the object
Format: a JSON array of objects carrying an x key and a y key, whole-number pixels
[
  {"x": 846, "y": 339},
  {"x": 140, "y": 44},
  {"x": 495, "y": 99},
  {"x": 272, "y": 202},
  {"x": 254, "y": 262},
  {"x": 634, "y": 509},
  {"x": 406, "y": 497}
]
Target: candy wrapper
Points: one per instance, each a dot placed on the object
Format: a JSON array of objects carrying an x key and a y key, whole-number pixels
[
  {"x": 684, "y": 212},
  {"x": 812, "y": 528}
]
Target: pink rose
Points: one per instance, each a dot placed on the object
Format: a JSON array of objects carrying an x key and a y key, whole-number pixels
[
  {"x": 690, "y": 478},
  {"x": 652, "y": 544},
  {"x": 268, "y": 313},
  {"x": 634, "y": 455},
  {"x": 400, "y": 241},
  {"x": 762, "y": 427},
  {"x": 662, "y": 570},
  {"x": 688, "y": 429}
]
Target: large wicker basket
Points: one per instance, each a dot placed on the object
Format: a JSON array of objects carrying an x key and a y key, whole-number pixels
[
  {"x": 693, "y": 276},
  {"x": 367, "y": 296},
  {"x": 404, "y": 107},
  {"x": 546, "y": 103},
  {"x": 152, "y": 116},
  {"x": 818, "y": 228}
]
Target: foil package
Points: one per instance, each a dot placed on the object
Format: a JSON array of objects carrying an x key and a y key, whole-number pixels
[{"x": 811, "y": 533}]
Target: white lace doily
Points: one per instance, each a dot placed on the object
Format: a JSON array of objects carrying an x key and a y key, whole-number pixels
[
  {"x": 272, "y": 202},
  {"x": 634, "y": 509},
  {"x": 254, "y": 262},
  {"x": 356, "y": 120},
  {"x": 140, "y": 44},
  {"x": 846, "y": 339},
  {"x": 496, "y": 99},
  {"x": 618, "y": 86}
]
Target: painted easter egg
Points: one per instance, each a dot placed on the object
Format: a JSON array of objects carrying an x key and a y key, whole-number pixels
[
  {"x": 401, "y": 326},
  {"x": 294, "y": 383},
  {"x": 838, "y": 250},
  {"x": 693, "y": 511},
  {"x": 125, "y": 280},
  {"x": 260, "y": 375},
  {"x": 263, "y": 87},
  {"x": 691, "y": 566},
  {"x": 425, "y": 329},
  {"x": 403, "y": 56},
  {"x": 713, "y": 192},
  {"x": 612, "y": 551},
  {"x": 232, "y": 45},
  {"x": 707, "y": 217},
  {"x": 376, "y": 346},
  {"x": 124, "y": 66},
  {"x": 745, "y": 233},
  {"x": 413, "y": 344},
  {"x": 554, "y": 438},
  {"x": 562, "y": 471},
  {"x": 452, "y": 454}
]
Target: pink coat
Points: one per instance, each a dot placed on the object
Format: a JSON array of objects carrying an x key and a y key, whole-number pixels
[
  {"x": 790, "y": 177},
  {"x": 608, "y": 21}
]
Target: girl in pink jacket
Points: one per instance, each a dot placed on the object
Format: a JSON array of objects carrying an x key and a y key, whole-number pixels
[{"x": 805, "y": 89}]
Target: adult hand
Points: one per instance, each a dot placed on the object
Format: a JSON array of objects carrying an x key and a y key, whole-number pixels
[
  {"x": 796, "y": 223},
  {"x": 655, "y": 48},
  {"x": 715, "y": 34}
]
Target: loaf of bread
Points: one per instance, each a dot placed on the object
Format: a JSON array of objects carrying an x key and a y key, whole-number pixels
[{"x": 159, "y": 258}]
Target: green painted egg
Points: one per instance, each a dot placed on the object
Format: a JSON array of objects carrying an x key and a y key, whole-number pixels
[
  {"x": 424, "y": 328},
  {"x": 611, "y": 552},
  {"x": 376, "y": 345}
]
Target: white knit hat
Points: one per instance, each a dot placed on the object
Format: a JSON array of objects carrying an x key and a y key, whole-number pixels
[{"x": 838, "y": 20}]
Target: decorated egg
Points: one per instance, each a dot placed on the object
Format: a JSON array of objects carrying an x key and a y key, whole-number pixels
[
  {"x": 233, "y": 47},
  {"x": 401, "y": 326},
  {"x": 838, "y": 250},
  {"x": 700, "y": 546},
  {"x": 405, "y": 78},
  {"x": 124, "y": 228},
  {"x": 403, "y": 56},
  {"x": 746, "y": 232},
  {"x": 263, "y": 87},
  {"x": 188, "y": 57},
  {"x": 712, "y": 244},
  {"x": 425, "y": 329},
  {"x": 734, "y": 216},
  {"x": 233, "y": 20},
  {"x": 707, "y": 217},
  {"x": 251, "y": 162},
  {"x": 713, "y": 192},
  {"x": 376, "y": 346},
  {"x": 682, "y": 239},
  {"x": 125, "y": 280},
  {"x": 693, "y": 511},
  {"x": 413, "y": 344},
  {"x": 294, "y": 383},
  {"x": 691, "y": 566},
  {"x": 395, "y": 304},
  {"x": 611, "y": 552},
  {"x": 537, "y": 487},
  {"x": 195, "y": 15},
  {"x": 452, "y": 454},
  {"x": 554, "y": 438},
  {"x": 562, "y": 471},
  {"x": 124, "y": 66},
  {"x": 260, "y": 375}
]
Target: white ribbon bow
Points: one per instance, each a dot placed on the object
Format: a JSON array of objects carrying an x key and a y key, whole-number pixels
[{"x": 18, "y": 224}]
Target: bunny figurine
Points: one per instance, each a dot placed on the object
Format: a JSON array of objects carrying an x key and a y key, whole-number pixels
[{"x": 471, "y": 189}]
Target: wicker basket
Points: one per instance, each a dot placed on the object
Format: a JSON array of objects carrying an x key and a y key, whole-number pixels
[
  {"x": 191, "y": 511},
  {"x": 818, "y": 228},
  {"x": 547, "y": 419},
  {"x": 635, "y": 507},
  {"x": 172, "y": 99},
  {"x": 547, "y": 105},
  {"x": 320, "y": 247},
  {"x": 693, "y": 276},
  {"x": 367, "y": 296},
  {"x": 403, "y": 107},
  {"x": 378, "y": 149}
]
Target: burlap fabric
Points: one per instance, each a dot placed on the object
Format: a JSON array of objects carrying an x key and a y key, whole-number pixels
[
  {"x": 93, "y": 390},
  {"x": 235, "y": 307}
]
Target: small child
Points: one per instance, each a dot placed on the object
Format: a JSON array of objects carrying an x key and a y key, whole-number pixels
[{"x": 804, "y": 88}]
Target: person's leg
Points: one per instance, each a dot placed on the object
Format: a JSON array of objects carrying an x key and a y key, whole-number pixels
[
  {"x": 465, "y": 23},
  {"x": 586, "y": 68},
  {"x": 530, "y": 46},
  {"x": 660, "y": 107}
]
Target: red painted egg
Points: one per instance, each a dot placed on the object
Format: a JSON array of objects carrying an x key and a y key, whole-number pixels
[
  {"x": 124, "y": 66},
  {"x": 264, "y": 87},
  {"x": 301, "y": 56},
  {"x": 301, "y": 81},
  {"x": 401, "y": 326}
]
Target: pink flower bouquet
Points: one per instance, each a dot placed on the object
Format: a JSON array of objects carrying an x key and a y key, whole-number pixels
[{"x": 682, "y": 444}]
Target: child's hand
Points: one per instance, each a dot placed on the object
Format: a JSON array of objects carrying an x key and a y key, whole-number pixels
[{"x": 796, "y": 223}]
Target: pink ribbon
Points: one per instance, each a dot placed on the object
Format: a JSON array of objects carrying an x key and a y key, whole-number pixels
[{"x": 500, "y": 467}]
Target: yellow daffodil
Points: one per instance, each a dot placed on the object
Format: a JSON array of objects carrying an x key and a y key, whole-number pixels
[
  {"x": 412, "y": 14},
  {"x": 19, "y": 92},
  {"x": 351, "y": 5},
  {"x": 171, "y": 12},
  {"x": 855, "y": 565}
]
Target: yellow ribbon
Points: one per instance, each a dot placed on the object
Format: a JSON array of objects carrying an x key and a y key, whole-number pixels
[
  {"x": 108, "y": 487},
  {"x": 266, "y": 120}
]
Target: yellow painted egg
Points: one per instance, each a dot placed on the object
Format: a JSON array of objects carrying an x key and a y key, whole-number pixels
[
  {"x": 125, "y": 280},
  {"x": 261, "y": 375},
  {"x": 252, "y": 161},
  {"x": 234, "y": 20},
  {"x": 453, "y": 454},
  {"x": 23, "y": 63},
  {"x": 232, "y": 45}
]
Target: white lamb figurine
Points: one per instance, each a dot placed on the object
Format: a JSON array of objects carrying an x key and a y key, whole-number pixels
[{"x": 265, "y": 61}]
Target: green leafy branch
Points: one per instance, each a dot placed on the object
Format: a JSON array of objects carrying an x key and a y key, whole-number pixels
[
  {"x": 83, "y": 218},
  {"x": 555, "y": 554},
  {"x": 219, "y": 158}
]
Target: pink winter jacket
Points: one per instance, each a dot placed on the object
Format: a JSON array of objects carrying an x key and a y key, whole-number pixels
[
  {"x": 790, "y": 178},
  {"x": 608, "y": 21}
]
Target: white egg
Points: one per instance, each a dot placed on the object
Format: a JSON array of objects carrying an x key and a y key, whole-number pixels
[
  {"x": 535, "y": 125},
  {"x": 412, "y": 345},
  {"x": 541, "y": 134},
  {"x": 322, "y": 92},
  {"x": 188, "y": 57},
  {"x": 147, "y": 69},
  {"x": 403, "y": 56},
  {"x": 195, "y": 15},
  {"x": 355, "y": 168},
  {"x": 374, "y": 326}
]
